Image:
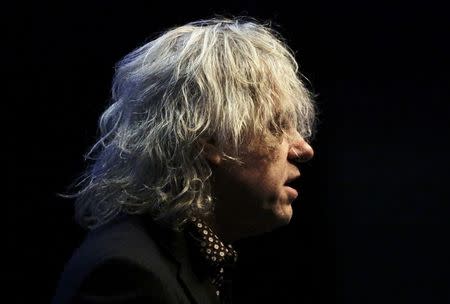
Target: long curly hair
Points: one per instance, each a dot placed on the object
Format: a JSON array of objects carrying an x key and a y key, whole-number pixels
[{"x": 229, "y": 80}]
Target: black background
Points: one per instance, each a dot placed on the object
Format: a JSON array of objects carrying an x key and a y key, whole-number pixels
[{"x": 372, "y": 224}]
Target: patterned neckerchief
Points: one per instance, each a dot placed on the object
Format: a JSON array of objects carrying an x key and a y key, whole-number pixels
[{"x": 218, "y": 258}]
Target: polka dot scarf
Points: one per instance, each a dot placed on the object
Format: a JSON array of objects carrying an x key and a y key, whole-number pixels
[{"x": 218, "y": 257}]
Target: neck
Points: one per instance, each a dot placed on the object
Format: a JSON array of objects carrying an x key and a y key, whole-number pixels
[{"x": 225, "y": 230}]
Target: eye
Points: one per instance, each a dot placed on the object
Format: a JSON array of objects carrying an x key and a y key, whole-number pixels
[
  {"x": 279, "y": 125},
  {"x": 273, "y": 126},
  {"x": 285, "y": 124}
]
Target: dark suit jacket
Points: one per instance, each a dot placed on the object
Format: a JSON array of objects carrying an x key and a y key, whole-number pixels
[{"x": 131, "y": 260}]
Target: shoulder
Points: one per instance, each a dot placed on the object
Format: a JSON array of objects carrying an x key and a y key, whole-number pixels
[
  {"x": 120, "y": 259},
  {"x": 118, "y": 280},
  {"x": 127, "y": 238}
]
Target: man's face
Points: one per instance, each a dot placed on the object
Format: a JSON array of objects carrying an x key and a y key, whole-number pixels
[{"x": 256, "y": 197}]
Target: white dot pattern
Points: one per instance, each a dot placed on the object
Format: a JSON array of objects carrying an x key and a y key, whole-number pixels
[{"x": 214, "y": 252}]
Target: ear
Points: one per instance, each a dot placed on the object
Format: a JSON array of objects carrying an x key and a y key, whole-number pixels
[{"x": 210, "y": 151}]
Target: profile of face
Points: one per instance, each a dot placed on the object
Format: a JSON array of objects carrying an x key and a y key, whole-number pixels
[{"x": 256, "y": 196}]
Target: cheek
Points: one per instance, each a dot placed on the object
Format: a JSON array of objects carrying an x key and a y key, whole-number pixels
[
  {"x": 266, "y": 187},
  {"x": 253, "y": 188}
]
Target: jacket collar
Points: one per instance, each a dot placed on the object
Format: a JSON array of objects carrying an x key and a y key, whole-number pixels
[{"x": 174, "y": 244}]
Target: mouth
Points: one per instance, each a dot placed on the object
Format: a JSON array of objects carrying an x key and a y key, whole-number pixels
[
  {"x": 292, "y": 181},
  {"x": 291, "y": 187},
  {"x": 292, "y": 192}
]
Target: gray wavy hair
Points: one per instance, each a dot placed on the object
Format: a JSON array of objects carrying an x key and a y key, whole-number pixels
[{"x": 229, "y": 80}]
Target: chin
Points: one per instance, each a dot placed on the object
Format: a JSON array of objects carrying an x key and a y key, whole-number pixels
[{"x": 283, "y": 215}]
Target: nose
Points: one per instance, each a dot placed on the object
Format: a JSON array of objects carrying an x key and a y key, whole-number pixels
[{"x": 300, "y": 151}]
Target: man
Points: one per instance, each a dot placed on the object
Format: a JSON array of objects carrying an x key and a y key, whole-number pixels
[{"x": 199, "y": 147}]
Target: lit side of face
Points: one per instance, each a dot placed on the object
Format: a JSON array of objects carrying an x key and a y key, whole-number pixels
[{"x": 255, "y": 197}]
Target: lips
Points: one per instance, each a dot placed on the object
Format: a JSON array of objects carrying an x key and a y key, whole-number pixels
[
  {"x": 292, "y": 193},
  {"x": 291, "y": 186},
  {"x": 291, "y": 181}
]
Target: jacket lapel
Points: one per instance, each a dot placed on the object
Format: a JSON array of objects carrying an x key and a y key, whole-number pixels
[
  {"x": 174, "y": 244},
  {"x": 200, "y": 288},
  {"x": 202, "y": 293}
]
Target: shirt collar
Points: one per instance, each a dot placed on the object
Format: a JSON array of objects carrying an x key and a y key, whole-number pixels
[{"x": 214, "y": 256}]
